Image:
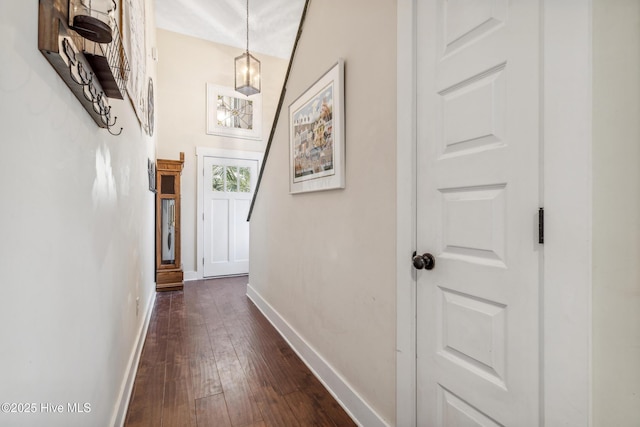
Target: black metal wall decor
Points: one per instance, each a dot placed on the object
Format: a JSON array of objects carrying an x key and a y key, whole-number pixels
[{"x": 93, "y": 70}]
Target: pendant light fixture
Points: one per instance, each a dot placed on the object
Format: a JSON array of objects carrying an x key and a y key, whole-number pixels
[{"x": 247, "y": 69}]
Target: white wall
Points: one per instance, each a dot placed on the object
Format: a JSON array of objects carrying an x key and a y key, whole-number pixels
[
  {"x": 185, "y": 65},
  {"x": 77, "y": 233},
  {"x": 325, "y": 261},
  {"x": 616, "y": 213}
]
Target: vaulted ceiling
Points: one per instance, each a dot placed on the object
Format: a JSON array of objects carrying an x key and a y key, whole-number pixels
[{"x": 273, "y": 24}]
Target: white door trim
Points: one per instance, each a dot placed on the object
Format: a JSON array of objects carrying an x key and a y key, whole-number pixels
[
  {"x": 568, "y": 212},
  {"x": 406, "y": 216},
  {"x": 201, "y": 153},
  {"x": 566, "y": 296}
]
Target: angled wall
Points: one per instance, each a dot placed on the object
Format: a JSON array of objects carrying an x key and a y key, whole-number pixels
[{"x": 325, "y": 261}]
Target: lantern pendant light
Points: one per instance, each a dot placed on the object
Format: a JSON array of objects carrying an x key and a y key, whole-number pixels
[{"x": 247, "y": 69}]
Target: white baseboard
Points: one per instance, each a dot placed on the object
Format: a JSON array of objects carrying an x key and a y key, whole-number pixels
[
  {"x": 352, "y": 403},
  {"x": 190, "y": 275},
  {"x": 118, "y": 418}
]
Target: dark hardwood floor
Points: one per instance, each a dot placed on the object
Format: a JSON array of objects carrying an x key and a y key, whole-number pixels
[{"x": 211, "y": 359}]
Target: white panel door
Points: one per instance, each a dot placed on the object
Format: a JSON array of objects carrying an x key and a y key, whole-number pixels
[
  {"x": 478, "y": 174},
  {"x": 228, "y": 189}
]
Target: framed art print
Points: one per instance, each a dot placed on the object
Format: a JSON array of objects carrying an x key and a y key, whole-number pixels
[{"x": 316, "y": 135}]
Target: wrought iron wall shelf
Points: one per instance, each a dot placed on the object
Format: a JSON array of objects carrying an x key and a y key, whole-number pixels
[{"x": 93, "y": 71}]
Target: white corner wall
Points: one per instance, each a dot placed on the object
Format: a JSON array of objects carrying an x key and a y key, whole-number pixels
[
  {"x": 77, "y": 226},
  {"x": 185, "y": 65},
  {"x": 616, "y": 213},
  {"x": 324, "y": 263}
]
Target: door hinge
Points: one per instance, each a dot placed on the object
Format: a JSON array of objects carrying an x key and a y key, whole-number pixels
[
  {"x": 541, "y": 226},
  {"x": 202, "y": 260}
]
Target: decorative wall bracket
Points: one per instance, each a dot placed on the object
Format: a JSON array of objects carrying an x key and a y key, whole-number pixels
[{"x": 66, "y": 52}]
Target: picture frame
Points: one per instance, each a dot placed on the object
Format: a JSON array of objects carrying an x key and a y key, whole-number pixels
[
  {"x": 151, "y": 172},
  {"x": 133, "y": 18},
  {"x": 232, "y": 114},
  {"x": 317, "y": 136}
]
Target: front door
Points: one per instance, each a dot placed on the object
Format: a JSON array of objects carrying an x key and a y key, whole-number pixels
[
  {"x": 478, "y": 193},
  {"x": 228, "y": 187}
]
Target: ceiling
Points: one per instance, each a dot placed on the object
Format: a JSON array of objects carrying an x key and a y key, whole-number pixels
[{"x": 273, "y": 24}]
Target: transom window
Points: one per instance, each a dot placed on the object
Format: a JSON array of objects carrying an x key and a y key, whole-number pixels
[{"x": 236, "y": 113}]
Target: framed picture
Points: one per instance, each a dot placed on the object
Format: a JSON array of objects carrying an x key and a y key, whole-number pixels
[
  {"x": 316, "y": 135},
  {"x": 229, "y": 113},
  {"x": 133, "y": 35},
  {"x": 151, "y": 171}
]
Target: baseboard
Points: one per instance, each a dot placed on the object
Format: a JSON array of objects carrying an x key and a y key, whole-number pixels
[
  {"x": 352, "y": 403},
  {"x": 190, "y": 275},
  {"x": 118, "y": 418}
]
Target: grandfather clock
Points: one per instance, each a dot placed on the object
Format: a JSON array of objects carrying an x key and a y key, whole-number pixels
[{"x": 169, "y": 275}]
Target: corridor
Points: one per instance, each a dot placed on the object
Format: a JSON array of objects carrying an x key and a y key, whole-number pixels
[{"x": 211, "y": 359}]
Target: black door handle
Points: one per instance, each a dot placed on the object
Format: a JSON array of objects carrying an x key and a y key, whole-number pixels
[{"x": 425, "y": 261}]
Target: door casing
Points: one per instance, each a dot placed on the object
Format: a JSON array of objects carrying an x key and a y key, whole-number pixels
[{"x": 566, "y": 285}]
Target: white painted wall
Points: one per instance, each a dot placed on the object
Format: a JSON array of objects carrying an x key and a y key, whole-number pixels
[
  {"x": 325, "y": 261},
  {"x": 185, "y": 65},
  {"x": 76, "y": 222},
  {"x": 616, "y": 213}
]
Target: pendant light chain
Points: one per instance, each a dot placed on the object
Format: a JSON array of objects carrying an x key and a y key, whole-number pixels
[{"x": 247, "y": 26}]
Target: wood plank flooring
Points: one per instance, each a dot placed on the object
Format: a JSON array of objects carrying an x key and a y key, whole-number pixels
[{"x": 211, "y": 359}]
